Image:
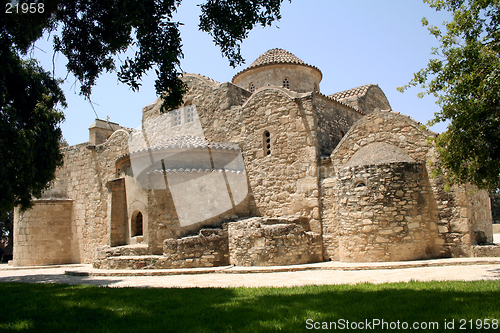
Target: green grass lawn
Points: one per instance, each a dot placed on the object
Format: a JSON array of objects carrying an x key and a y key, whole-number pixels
[{"x": 63, "y": 308}]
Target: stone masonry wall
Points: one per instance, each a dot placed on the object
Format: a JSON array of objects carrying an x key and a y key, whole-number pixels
[
  {"x": 87, "y": 169},
  {"x": 454, "y": 224},
  {"x": 252, "y": 243},
  {"x": 387, "y": 127},
  {"x": 285, "y": 181},
  {"x": 479, "y": 213},
  {"x": 374, "y": 98},
  {"x": 207, "y": 249},
  {"x": 301, "y": 78},
  {"x": 329, "y": 217},
  {"x": 385, "y": 213},
  {"x": 117, "y": 213},
  {"x": 43, "y": 234},
  {"x": 333, "y": 121}
]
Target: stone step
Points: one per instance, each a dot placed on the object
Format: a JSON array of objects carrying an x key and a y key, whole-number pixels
[{"x": 144, "y": 270}]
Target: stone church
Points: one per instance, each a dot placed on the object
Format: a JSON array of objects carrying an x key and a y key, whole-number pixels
[{"x": 262, "y": 170}]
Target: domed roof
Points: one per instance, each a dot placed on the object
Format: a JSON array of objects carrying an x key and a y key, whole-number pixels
[
  {"x": 276, "y": 56},
  {"x": 273, "y": 57},
  {"x": 379, "y": 153}
]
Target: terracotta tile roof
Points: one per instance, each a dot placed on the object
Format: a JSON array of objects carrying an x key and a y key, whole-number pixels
[
  {"x": 275, "y": 56},
  {"x": 337, "y": 101},
  {"x": 358, "y": 91}
]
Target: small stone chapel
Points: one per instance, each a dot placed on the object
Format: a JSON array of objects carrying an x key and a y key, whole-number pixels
[{"x": 263, "y": 170}]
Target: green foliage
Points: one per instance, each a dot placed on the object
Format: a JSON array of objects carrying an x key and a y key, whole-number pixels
[
  {"x": 230, "y": 21},
  {"x": 6, "y": 226},
  {"x": 62, "y": 308},
  {"x": 29, "y": 131},
  {"x": 465, "y": 77},
  {"x": 63, "y": 143},
  {"x": 91, "y": 34}
]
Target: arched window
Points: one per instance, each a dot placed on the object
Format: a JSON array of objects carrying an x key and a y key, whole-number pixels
[
  {"x": 252, "y": 87},
  {"x": 136, "y": 227},
  {"x": 286, "y": 83},
  {"x": 360, "y": 184},
  {"x": 267, "y": 143},
  {"x": 342, "y": 134}
]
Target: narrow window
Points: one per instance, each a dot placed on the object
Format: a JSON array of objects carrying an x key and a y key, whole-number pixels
[
  {"x": 286, "y": 83},
  {"x": 342, "y": 134},
  {"x": 189, "y": 114},
  {"x": 177, "y": 117},
  {"x": 252, "y": 87},
  {"x": 267, "y": 143},
  {"x": 360, "y": 184}
]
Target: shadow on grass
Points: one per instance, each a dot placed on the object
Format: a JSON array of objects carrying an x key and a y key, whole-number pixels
[
  {"x": 63, "y": 308},
  {"x": 58, "y": 278}
]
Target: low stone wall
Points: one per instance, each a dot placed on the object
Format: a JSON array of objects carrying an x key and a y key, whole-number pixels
[
  {"x": 127, "y": 262},
  {"x": 207, "y": 249},
  {"x": 250, "y": 242},
  {"x": 486, "y": 251},
  {"x": 253, "y": 243},
  {"x": 43, "y": 234},
  {"x": 116, "y": 251}
]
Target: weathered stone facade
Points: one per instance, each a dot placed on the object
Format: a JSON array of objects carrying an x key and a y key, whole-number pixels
[
  {"x": 44, "y": 235},
  {"x": 257, "y": 242},
  {"x": 385, "y": 213},
  {"x": 291, "y": 175}
]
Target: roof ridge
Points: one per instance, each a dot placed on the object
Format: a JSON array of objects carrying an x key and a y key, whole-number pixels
[
  {"x": 201, "y": 76},
  {"x": 337, "y": 101},
  {"x": 357, "y": 91}
]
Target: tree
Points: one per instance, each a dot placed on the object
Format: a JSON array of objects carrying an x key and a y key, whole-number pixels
[
  {"x": 29, "y": 132},
  {"x": 90, "y": 34},
  {"x": 465, "y": 77},
  {"x": 6, "y": 231}
]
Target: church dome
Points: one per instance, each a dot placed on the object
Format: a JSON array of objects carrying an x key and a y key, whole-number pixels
[
  {"x": 280, "y": 68},
  {"x": 276, "y": 56}
]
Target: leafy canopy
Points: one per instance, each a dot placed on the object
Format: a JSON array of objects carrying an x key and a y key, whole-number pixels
[
  {"x": 29, "y": 132},
  {"x": 6, "y": 230},
  {"x": 91, "y": 34},
  {"x": 465, "y": 77}
]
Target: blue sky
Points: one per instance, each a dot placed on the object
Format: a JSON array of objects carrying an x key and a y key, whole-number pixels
[{"x": 352, "y": 42}]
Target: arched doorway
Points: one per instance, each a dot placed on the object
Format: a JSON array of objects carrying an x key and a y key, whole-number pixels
[{"x": 136, "y": 224}]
